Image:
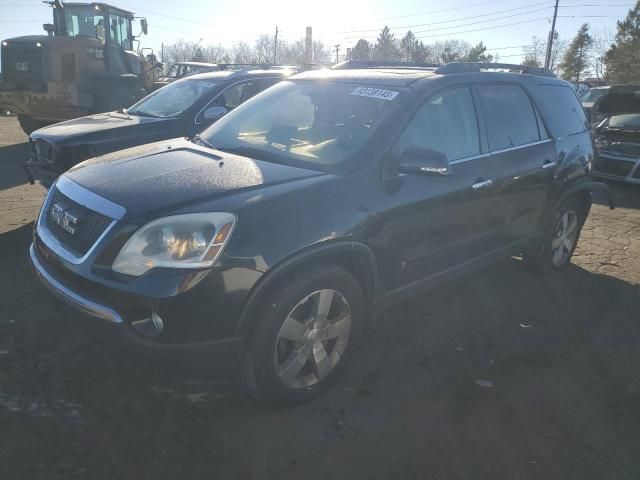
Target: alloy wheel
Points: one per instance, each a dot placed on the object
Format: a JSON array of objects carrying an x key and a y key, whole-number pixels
[
  {"x": 565, "y": 237},
  {"x": 312, "y": 339}
]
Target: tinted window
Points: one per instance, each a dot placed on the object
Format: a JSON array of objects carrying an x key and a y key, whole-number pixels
[
  {"x": 446, "y": 123},
  {"x": 174, "y": 99},
  {"x": 620, "y": 101},
  {"x": 256, "y": 86},
  {"x": 511, "y": 120},
  {"x": 566, "y": 107},
  {"x": 232, "y": 96},
  {"x": 319, "y": 125}
]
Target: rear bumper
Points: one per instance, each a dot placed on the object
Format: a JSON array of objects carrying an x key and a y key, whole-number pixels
[{"x": 218, "y": 358}]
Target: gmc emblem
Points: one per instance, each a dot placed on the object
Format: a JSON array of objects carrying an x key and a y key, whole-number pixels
[
  {"x": 22, "y": 66},
  {"x": 65, "y": 219}
]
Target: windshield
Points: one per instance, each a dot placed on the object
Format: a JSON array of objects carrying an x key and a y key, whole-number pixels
[
  {"x": 315, "y": 125},
  {"x": 631, "y": 120},
  {"x": 592, "y": 95},
  {"x": 172, "y": 100},
  {"x": 84, "y": 21}
]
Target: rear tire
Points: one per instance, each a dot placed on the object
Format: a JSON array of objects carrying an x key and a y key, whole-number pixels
[
  {"x": 560, "y": 241},
  {"x": 304, "y": 332}
]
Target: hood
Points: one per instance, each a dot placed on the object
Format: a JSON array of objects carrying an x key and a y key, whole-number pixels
[
  {"x": 620, "y": 134},
  {"x": 102, "y": 125},
  {"x": 169, "y": 175}
]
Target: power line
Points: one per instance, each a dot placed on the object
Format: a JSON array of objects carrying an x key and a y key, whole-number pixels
[{"x": 449, "y": 21}]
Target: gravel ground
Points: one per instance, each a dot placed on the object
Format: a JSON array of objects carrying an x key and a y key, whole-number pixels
[{"x": 503, "y": 374}]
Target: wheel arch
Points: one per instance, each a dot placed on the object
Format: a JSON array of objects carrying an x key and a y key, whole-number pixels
[
  {"x": 356, "y": 257},
  {"x": 583, "y": 192}
]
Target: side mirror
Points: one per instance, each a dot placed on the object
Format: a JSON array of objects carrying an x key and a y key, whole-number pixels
[
  {"x": 144, "y": 25},
  {"x": 215, "y": 113},
  {"x": 423, "y": 161}
]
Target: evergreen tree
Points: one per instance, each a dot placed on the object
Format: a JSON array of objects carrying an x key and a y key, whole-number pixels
[
  {"x": 362, "y": 50},
  {"x": 623, "y": 58},
  {"x": 576, "y": 58},
  {"x": 478, "y": 54},
  {"x": 386, "y": 48}
]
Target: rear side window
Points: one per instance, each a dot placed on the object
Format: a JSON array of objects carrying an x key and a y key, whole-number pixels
[
  {"x": 511, "y": 119},
  {"x": 446, "y": 123},
  {"x": 567, "y": 109}
]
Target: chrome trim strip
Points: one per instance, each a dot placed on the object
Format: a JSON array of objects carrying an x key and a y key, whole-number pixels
[
  {"x": 466, "y": 159},
  {"x": 548, "y": 165},
  {"x": 90, "y": 200},
  {"x": 52, "y": 242},
  {"x": 518, "y": 147},
  {"x": 72, "y": 298}
]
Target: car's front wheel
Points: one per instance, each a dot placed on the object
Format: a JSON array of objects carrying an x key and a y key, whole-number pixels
[{"x": 304, "y": 333}]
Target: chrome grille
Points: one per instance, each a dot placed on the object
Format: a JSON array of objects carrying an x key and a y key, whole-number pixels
[
  {"x": 90, "y": 226},
  {"x": 610, "y": 166}
]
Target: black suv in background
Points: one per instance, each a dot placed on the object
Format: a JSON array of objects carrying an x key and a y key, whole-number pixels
[
  {"x": 182, "y": 108},
  {"x": 260, "y": 249}
]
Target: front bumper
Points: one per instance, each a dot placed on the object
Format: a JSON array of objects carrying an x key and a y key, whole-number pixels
[
  {"x": 219, "y": 357},
  {"x": 624, "y": 168}
]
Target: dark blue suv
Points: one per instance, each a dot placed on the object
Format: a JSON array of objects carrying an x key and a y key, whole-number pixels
[{"x": 260, "y": 249}]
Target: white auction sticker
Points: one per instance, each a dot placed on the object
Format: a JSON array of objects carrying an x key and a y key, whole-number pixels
[{"x": 374, "y": 93}]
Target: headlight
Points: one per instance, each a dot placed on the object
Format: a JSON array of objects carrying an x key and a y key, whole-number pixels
[{"x": 193, "y": 240}]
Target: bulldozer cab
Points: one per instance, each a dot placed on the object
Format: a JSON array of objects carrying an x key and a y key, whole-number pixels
[
  {"x": 111, "y": 26},
  {"x": 88, "y": 62}
]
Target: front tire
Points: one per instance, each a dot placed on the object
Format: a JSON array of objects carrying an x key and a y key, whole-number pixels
[
  {"x": 304, "y": 334},
  {"x": 560, "y": 241}
]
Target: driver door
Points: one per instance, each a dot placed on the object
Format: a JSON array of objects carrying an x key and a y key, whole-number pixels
[{"x": 436, "y": 222}]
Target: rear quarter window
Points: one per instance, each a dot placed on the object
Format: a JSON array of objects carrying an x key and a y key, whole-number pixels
[{"x": 564, "y": 105}]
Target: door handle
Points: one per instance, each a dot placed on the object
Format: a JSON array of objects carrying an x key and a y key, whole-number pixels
[
  {"x": 482, "y": 184},
  {"x": 548, "y": 164}
]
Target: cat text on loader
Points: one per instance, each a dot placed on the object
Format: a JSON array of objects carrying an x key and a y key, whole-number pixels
[{"x": 85, "y": 64}]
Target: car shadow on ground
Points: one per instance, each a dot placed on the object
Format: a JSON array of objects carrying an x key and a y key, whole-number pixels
[
  {"x": 625, "y": 195},
  {"x": 493, "y": 373},
  {"x": 12, "y": 157}
]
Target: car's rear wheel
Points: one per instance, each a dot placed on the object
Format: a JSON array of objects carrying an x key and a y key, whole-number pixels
[
  {"x": 304, "y": 333},
  {"x": 561, "y": 240}
]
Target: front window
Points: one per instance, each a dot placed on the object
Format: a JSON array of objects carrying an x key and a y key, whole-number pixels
[
  {"x": 85, "y": 22},
  {"x": 317, "y": 125},
  {"x": 592, "y": 95},
  {"x": 172, "y": 100}
]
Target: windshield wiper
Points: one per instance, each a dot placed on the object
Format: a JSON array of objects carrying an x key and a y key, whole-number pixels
[
  {"x": 198, "y": 140},
  {"x": 255, "y": 153},
  {"x": 143, "y": 114}
]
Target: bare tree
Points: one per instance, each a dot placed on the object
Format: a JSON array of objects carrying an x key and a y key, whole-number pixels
[
  {"x": 320, "y": 53},
  {"x": 602, "y": 41},
  {"x": 450, "y": 50},
  {"x": 534, "y": 54},
  {"x": 241, "y": 52}
]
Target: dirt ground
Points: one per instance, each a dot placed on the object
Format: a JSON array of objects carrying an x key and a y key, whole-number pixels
[{"x": 501, "y": 375}]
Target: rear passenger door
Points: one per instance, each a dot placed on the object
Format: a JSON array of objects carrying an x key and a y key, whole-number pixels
[{"x": 524, "y": 156}]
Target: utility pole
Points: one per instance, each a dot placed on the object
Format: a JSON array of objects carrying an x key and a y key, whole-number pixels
[
  {"x": 337, "y": 47},
  {"x": 275, "y": 46},
  {"x": 552, "y": 34}
]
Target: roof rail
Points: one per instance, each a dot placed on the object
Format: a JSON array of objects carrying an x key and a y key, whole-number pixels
[
  {"x": 357, "y": 64},
  {"x": 463, "y": 67}
]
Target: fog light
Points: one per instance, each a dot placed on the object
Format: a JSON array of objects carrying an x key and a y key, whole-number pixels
[
  {"x": 157, "y": 322},
  {"x": 38, "y": 44}
]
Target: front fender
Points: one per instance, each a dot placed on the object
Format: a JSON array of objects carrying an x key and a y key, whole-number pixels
[{"x": 365, "y": 259}]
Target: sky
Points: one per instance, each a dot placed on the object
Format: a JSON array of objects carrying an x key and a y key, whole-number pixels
[{"x": 503, "y": 25}]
